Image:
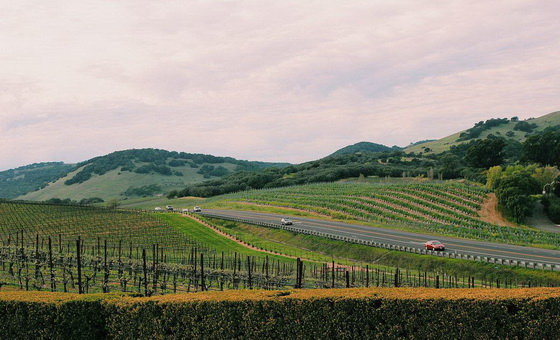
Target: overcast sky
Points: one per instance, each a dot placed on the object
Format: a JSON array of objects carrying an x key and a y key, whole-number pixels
[{"x": 265, "y": 80}]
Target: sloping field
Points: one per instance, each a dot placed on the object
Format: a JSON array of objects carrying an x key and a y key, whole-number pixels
[
  {"x": 114, "y": 183},
  {"x": 90, "y": 223},
  {"x": 448, "y": 209},
  {"x": 129, "y": 251}
]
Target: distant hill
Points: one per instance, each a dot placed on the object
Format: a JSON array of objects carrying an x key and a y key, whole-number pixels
[
  {"x": 136, "y": 172},
  {"x": 328, "y": 169},
  {"x": 19, "y": 181},
  {"x": 510, "y": 128},
  {"x": 363, "y": 147}
]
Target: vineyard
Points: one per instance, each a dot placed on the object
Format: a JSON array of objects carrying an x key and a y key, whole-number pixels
[
  {"x": 87, "y": 250},
  {"x": 445, "y": 209}
]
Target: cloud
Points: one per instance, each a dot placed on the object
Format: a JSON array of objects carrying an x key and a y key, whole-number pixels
[{"x": 275, "y": 81}]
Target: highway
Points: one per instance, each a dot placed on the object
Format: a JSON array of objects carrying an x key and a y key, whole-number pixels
[{"x": 401, "y": 238}]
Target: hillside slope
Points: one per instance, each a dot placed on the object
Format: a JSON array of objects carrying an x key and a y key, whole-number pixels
[
  {"x": 507, "y": 130},
  {"x": 19, "y": 181},
  {"x": 138, "y": 173},
  {"x": 362, "y": 147}
]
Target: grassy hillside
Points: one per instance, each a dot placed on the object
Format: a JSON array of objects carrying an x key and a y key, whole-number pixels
[
  {"x": 138, "y": 173},
  {"x": 115, "y": 183},
  {"x": 445, "y": 143},
  {"x": 16, "y": 182},
  {"x": 328, "y": 169}
]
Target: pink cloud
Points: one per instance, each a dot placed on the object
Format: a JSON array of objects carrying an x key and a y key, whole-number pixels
[{"x": 275, "y": 81}]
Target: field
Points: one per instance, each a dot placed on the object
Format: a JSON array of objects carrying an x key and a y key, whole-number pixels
[
  {"x": 88, "y": 249},
  {"x": 68, "y": 222},
  {"x": 450, "y": 209}
]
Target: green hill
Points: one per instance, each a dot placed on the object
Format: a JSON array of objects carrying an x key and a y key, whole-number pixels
[
  {"x": 362, "y": 147},
  {"x": 328, "y": 169},
  {"x": 512, "y": 129},
  {"x": 19, "y": 181},
  {"x": 138, "y": 173}
]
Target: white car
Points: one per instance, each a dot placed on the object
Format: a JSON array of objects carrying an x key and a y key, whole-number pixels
[
  {"x": 158, "y": 209},
  {"x": 197, "y": 209},
  {"x": 185, "y": 210},
  {"x": 286, "y": 221}
]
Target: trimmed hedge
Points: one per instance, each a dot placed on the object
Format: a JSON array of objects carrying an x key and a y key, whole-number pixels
[{"x": 312, "y": 314}]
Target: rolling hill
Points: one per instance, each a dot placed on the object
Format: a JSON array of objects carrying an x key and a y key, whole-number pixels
[
  {"x": 132, "y": 173},
  {"x": 19, "y": 181},
  {"x": 509, "y": 128},
  {"x": 363, "y": 147},
  {"x": 151, "y": 172}
]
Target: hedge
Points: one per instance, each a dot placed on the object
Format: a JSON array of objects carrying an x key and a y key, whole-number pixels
[{"x": 306, "y": 314}]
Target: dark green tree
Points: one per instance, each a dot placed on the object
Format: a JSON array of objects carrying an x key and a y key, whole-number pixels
[
  {"x": 486, "y": 153},
  {"x": 544, "y": 147},
  {"x": 514, "y": 194}
]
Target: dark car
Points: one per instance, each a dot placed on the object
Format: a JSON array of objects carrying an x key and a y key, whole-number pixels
[{"x": 434, "y": 245}]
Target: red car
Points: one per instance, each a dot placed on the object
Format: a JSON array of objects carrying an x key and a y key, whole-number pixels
[{"x": 434, "y": 245}]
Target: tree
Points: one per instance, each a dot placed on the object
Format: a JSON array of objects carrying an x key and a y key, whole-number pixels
[
  {"x": 546, "y": 175},
  {"x": 113, "y": 203},
  {"x": 486, "y": 153},
  {"x": 450, "y": 166},
  {"x": 525, "y": 126},
  {"x": 493, "y": 176},
  {"x": 543, "y": 148},
  {"x": 514, "y": 192}
]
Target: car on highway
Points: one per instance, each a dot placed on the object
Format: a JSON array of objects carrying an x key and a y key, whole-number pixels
[
  {"x": 185, "y": 210},
  {"x": 169, "y": 208},
  {"x": 286, "y": 221},
  {"x": 197, "y": 209},
  {"x": 434, "y": 245},
  {"x": 158, "y": 209}
]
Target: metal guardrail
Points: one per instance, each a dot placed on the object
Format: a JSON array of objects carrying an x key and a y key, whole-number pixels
[{"x": 420, "y": 251}]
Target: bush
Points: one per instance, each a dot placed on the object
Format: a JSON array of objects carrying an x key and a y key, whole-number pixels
[
  {"x": 315, "y": 314},
  {"x": 551, "y": 205}
]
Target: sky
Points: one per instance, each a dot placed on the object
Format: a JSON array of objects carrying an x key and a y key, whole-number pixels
[{"x": 283, "y": 81}]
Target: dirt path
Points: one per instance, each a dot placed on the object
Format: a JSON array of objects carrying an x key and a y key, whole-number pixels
[
  {"x": 540, "y": 221},
  {"x": 489, "y": 212}
]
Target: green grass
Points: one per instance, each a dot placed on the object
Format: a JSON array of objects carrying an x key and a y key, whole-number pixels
[
  {"x": 205, "y": 235},
  {"x": 113, "y": 183}
]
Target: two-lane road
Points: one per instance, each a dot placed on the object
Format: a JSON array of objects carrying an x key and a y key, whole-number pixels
[{"x": 402, "y": 238}]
